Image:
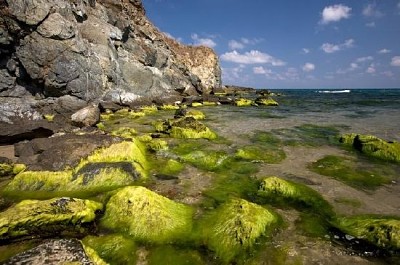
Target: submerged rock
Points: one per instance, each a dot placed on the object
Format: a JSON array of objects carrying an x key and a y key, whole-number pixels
[
  {"x": 266, "y": 101},
  {"x": 207, "y": 160},
  {"x": 41, "y": 218},
  {"x": 147, "y": 216},
  {"x": 235, "y": 227},
  {"x": 298, "y": 195},
  {"x": 381, "y": 231},
  {"x": 55, "y": 252},
  {"x": 262, "y": 154},
  {"x": 243, "y": 102},
  {"x": 373, "y": 146},
  {"x": 186, "y": 128}
]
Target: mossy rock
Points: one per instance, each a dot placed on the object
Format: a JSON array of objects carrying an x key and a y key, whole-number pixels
[
  {"x": 6, "y": 169},
  {"x": 261, "y": 154},
  {"x": 114, "y": 248},
  {"x": 49, "y": 117},
  {"x": 170, "y": 167},
  {"x": 297, "y": 195},
  {"x": 58, "y": 215},
  {"x": 266, "y": 102},
  {"x": 235, "y": 226},
  {"x": 207, "y": 160},
  {"x": 196, "y": 104},
  {"x": 147, "y": 216},
  {"x": 381, "y": 231},
  {"x": 243, "y": 102},
  {"x": 168, "y": 255},
  {"x": 124, "y": 132},
  {"x": 149, "y": 109},
  {"x": 373, "y": 146},
  {"x": 168, "y": 107},
  {"x": 210, "y": 103},
  {"x": 196, "y": 114},
  {"x": 185, "y": 128}
]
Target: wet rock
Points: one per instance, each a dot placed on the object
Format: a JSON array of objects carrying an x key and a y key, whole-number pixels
[
  {"x": 41, "y": 218},
  {"x": 54, "y": 252},
  {"x": 12, "y": 133},
  {"x": 87, "y": 116},
  {"x": 147, "y": 216}
]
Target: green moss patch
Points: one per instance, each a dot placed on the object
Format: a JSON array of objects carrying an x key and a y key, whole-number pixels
[
  {"x": 170, "y": 255},
  {"x": 347, "y": 171},
  {"x": 261, "y": 154},
  {"x": 243, "y": 102},
  {"x": 6, "y": 169},
  {"x": 380, "y": 231},
  {"x": 285, "y": 192},
  {"x": 266, "y": 102},
  {"x": 206, "y": 160},
  {"x": 114, "y": 249},
  {"x": 235, "y": 226},
  {"x": 373, "y": 146},
  {"x": 184, "y": 128},
  {"x": 124, "y": 132},
  {"x": 31, "y": 217},
  {"x": 147, "y": 216}
]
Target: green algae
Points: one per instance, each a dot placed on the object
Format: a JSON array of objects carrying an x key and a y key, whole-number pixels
[
  {"x": 381, "y": 231},
  {"x": 243, "y": 102},
  {"x": 124, "y": 132},
  {"x": 261, "y": 154},
  {"x": 49, "y": 117},
  {"x": 346, "y": 170},
  {"x": 149, "y": 109},
  {"x": 92, "y": 255},
  {"x": 209, "y": 103},
  {"x": 167, "y": 167},
  {"x": 169, "y": 255},
  {"x": 373, "y": 146},
  {"x": 6, "y": 169},
  {"x": 312, "y": 225},
  {"x": 196, "y": 104},
  {"x": 349, "y": 201},
  {"x": 206, "y": 160},
  {"x": 114, "y": 248},
  {"x": 283, "y": 192},
  {"x": 168, "y": 107},
  {"x": 184, "y": 128},
  {"x": 234, "y": 228},
  {"x": 153, "y": 144},
  {"x": 147, "y": 216},
  {"x": 196, "y": 114},
  {"x": 10, "y": 250},
  {"x": 266, "y": 102},
  {"x": 32, "y": 217}
]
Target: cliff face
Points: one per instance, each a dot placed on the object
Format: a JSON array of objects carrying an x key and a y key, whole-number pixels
[{"x": 87, "y": 50}]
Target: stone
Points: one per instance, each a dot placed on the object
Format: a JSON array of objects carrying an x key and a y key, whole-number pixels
[
  {"x": 41, "y": 218},
  {"x": 186, "y": 128},
  {"x": 146, "y": 216},
  {"x": 57, "y": 27},
  {"x": 86, "y": 117}
]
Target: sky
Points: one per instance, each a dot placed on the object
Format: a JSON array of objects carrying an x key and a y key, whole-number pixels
[{"x": 291, "y": 43}]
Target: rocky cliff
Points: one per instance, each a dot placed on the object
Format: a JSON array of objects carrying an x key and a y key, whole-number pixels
[{"x": 61, "y": 54}]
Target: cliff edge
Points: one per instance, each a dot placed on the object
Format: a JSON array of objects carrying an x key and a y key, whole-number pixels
[{"x": 62, "y": 54}]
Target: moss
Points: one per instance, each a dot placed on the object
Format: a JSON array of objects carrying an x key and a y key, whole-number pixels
[
  {"x": 207, "y": 160},
  {"x": 285, "y": 192},
  {"x": 171, "y": 167},
  {"x": 196, "y": 114},
  {"x": 373, "y": 146},
  {"x": 209, "y": 103},
  {"x": 312, "y": 225},
  {"x": 6, "y": 169},
  {"x": 114, "y": 249},
  {"x": 93, "y": 256},
  {"x": 257, "y": 153},
  {"x": 49, "y": 117},
  {"x": 31, "y": 217},
  {"x": 157, "y": 145},
  {"x": 243, "y": 102},
  {"x": 18, "y": 168},
  {"x": 168, "y": 255},
  {"x": 147, "y": 216},
  {"x": 266, "y": 102},
  {"x": 168, "y": 107},
  {"x": 380, "y": 231},
  {"x": 149, "y": 109},
  {"x": 185, "y": 128},
  {"x": 196, "y": 104},
  {"x": 347, "y": 171},
  {"x": 124, "y": 132},
  {"x": 10, "y": 250},
  {"x": 235, "y": 226},
  {"x": 101, "y": 126}
]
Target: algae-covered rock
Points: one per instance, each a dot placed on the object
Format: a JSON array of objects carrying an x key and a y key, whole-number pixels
[
  {"x": 266, "y": 102},
  {"x": 373, "y": 146},
  {"x": 147, "y": 216},
  {"x": 55, "y": 252},
  {"x": 124, "y": 132},
  {"x": 380, "y": 231},
  {"x": 243, "y": 102},
  {"x": 40, "y": 218},
  {"x": 186, "y": 127},
  {"x": 6, "y": 169},
  {"x": 169, "y": 255},
  {"x": 168, "y": 107},
  {"x": 196, "y": 114},
  {"x": 235, "y": 227},
  {"x": 208, "y": 160},
  {"x": 298, "y": 195},
  {"x": 114, "y": 248},
  {"x": 149, "y": 109},
  {"x": 262, "y": 154}
]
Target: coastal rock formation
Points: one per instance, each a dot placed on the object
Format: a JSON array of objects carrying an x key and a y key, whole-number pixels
[{"x": 91, "y": 51}]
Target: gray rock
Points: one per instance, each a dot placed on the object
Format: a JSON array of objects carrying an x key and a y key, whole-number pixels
[
  {"x": 7, "y": 81},
  {"x": 87, "y": 116},
  {"x": 57, "y": 27},
  {"x": 12, "y": 109},
  {"x": 53, "y": 252}
]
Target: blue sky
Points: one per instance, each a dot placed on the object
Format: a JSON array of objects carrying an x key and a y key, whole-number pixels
[{"x": 291, "y": 43}]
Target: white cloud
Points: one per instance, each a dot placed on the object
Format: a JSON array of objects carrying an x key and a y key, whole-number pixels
[
  {"x": 371, "y": 24},
  {"x": 388, "y": 73},
  {"x": 306, "y": 51},
  {"x": 370, "y": 10},
  {"x": 259, "y": 70},
  {"x": 331, "y": 48},
  {"x": 308, "y": 67},
  {"x": 384, "y": 51},
  {"x": 364, "y": 59},
  {"x": 252, "y": 57},
  {"x": 395, "y": 61},
  {"x": 203, "y": 41},
  {"x": 353, "y": 66},
  {"x": 235, "y": 45},
  {"x": 335, "y": 13},
  {"x": 371, "y": 69}
]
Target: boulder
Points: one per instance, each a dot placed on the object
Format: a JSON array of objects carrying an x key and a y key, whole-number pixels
[
  {"x": 147, "y": 216},
  {"x": 41, "y": 218},
  {"x": 86, "y": 117}
]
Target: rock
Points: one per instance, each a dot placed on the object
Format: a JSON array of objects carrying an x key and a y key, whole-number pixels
[
  {"x": 6, "y": 167},
  {"x": 295, "y": 194},
  {"x": 243, "y": 102},
  {"x": 12, "y": 133},
  {"x": 373, "y": 146},
  {"x": 41, "y": 218},
  {"x": 55, "y": 252},
  {"x": 261, "y": 154},
  {"x": 86, "y": 117},
  {"x": 17, "y": 109},
  {"x": 186, "y": 127},
  {"x": 381, "y": 231},
  {"x": 147, "y": 216},
  {"x": 235, "y": 226},
  {"x": 207, "y": 160},
  {"x": 30, "y": 12},
  {"x": 57, "y": 27},
  {"x": 266, "y": 101}
]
